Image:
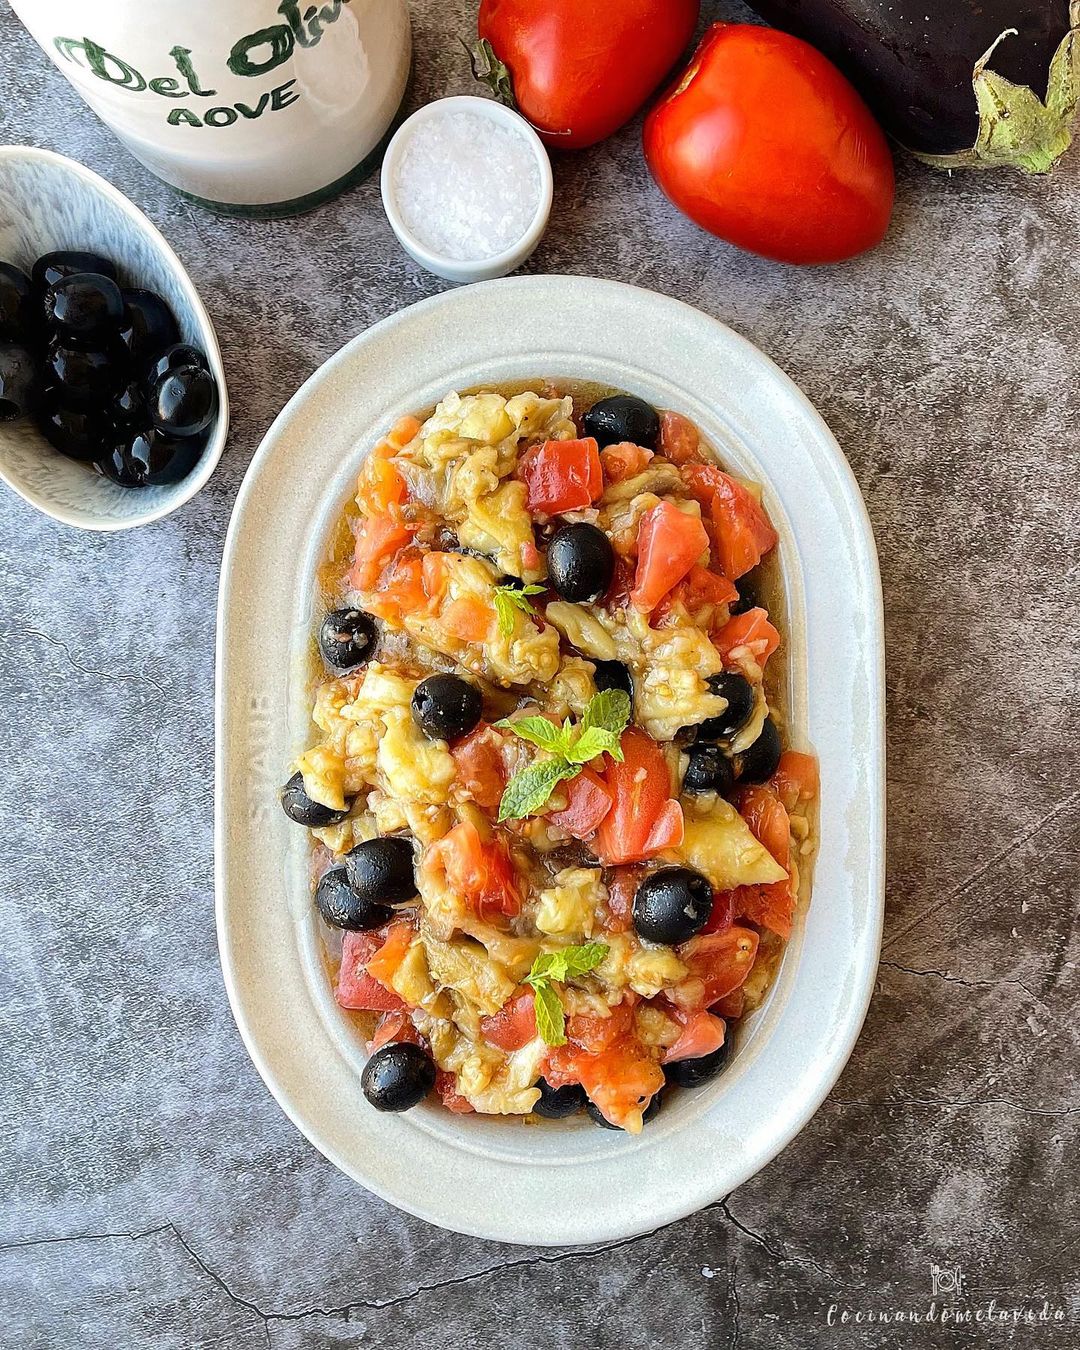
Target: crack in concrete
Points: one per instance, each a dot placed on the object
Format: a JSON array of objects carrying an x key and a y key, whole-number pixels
[
  {"x": 736, "y": 1307},
  {"x": 784, "y": 1257},
  {"x": 950, "y": 978},
  {"x": 138, "y": 677}
]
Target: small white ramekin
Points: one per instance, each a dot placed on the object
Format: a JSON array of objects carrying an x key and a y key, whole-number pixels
[{"x": 473, "y": 269}]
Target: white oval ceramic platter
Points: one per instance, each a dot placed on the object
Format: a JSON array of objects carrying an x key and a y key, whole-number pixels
[{"x": 568, "y": 1183}]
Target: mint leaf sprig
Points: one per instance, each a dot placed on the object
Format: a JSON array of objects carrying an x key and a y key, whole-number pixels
[
  {"x": 570, "y": 748},
  {"x": 511, "y": 600},
  {"x": 559, "y": 966}
]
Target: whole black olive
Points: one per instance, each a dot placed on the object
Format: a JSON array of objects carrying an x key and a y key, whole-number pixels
[
  {"x": 650, "y": 1113},
  {"x": 172, "y": 358},
  {"x": 84, "y": 434},
  {"x": 748, "y": 597},
  {"x": 148, "y": 326},
  {"x": 558, "y": 1103},
  {"x": 691, "y": 1073},
  {"x": 85, "y": 307},
  {"x": 346, "y": 638},
  {"x": 16, "y": 306},
  {"x": 623, "y": 418},
  {"x": 613, "y": 675},
  {"x": 183, "y": 401},
  {"x": 581, "y": 562},
  {"x": 398, "y": 1076},
  {"x": 82, "y": 376},
  {"x": 342, "y": 907},
  {"x": 127, "y": 407},
  {"x": 759, "y": 763},
  {"x": 740, "y": 696},
  {"x": 149, "y": 458},
  {"x": 18, "y": 382},
  {"x": 447, "y": 707},
  {"x": 66, "y": 262},
  {"x": 299, "y": 807},
  {"x": 672, "y": 905},
  {"x": 709, "y": 770},
  {"x": 381, "y": 871}
]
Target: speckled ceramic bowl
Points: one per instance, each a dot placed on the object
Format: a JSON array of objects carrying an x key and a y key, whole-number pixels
[
  {"x": 564, "y": 1182},
  {"x": 49, "y": 202}
]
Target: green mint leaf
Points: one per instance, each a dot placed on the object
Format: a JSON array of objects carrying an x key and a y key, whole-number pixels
[
  {"x": 593, "y": 742},
  {"x": 509, "y": 599},
  {"x": 570, "y": 961},
  {"x": 528, "y": 790},
  {"x": 538, "y": 731},
  {"x": 609, "y": 711},
  {"x": 550, "y": 1018}
]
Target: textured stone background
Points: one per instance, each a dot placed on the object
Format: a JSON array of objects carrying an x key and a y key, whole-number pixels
[{"x": 156, "y": 1196}]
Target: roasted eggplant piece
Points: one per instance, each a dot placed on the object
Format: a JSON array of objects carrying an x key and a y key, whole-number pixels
[{"x": 962, "y": 83}]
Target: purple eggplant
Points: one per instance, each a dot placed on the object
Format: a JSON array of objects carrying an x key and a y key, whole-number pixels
[{"x": 959, "y": 82}]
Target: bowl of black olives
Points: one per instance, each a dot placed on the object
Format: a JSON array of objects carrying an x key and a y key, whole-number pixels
[{"x": 113, "y": 409}]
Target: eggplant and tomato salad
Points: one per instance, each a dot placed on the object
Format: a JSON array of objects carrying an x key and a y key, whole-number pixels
[
  {"x": 960, "y": 82},
  {"x": 560, "y": 836}
]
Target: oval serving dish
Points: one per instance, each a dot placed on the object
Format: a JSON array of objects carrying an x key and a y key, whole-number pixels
[{"x": 494, "y": 1178}]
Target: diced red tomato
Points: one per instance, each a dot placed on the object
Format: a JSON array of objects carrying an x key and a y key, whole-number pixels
[
  {"x": 382, "y": 486},
  {"x": 404, "y": 430},
  {"x": 797, "y": 778},
  {"x": 731, "y": 1006},
  {"x": 514, "y": 1025},
  {"x": 562, "y": 475},
  {"x": 620, "y": 1082},
  {"x": 481, "y": 873},
  {"x": 739, "y": 529},
  {"x": 618, "y": 595},
  {"x": 468, "y": 619},
  {"x": 384, "y": 965},
  {"x": 704, "y": 595},
  {"x": 746, "y": 642},
  {"x": 356, "y": 989},
  {"x": 770, "y": 906},
  {"x": 669, "y": 544},
  {"x": 624, "y": 460},
  {"x": 596, "y": 1034},
  {"x": 679, "y": 439},
  {"x": 394, "y": 1027},
  {"x": 588, "y": 800},
  {"x": 446, "y": 1087},
  {"x": 643, "y": 820},
  {"x": 400, "y": 588},
  {"x": 481, "y": 765},
  {"x": 702, "y": 1034},
  {"x": 723, "y": 912},
  {"x": 621, "y": 891},
  {"x": 720, "y": 961},
  {"x": 378, "y": 538}
]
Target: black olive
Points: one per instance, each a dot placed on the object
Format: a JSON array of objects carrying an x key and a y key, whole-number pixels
[
  {"x": 709, "y": 770},
  {"x": 398, "y": 1076},
  {"x": 342, "y": 907},
  {"x": 183, "y": 401},
  {"x": 623, "y": 418},
  {"x": 149, "y": 458},
  {"x": 18, "y": 382},
  {"x": 53, "y": 267},
  {"x": 672, "y": 905},
  {"x": 613, "y": 675},
  {"x": 740, "y": 696},
  {"x": 172, "y": 358},
  {"x": 84, "y": 434},
  {"x": 691, "y": 1073},
  {"x": 148, "y": 325},
  {"x": 83, "y": 376},
  {"x": 85, "y": 307},
  {"x": 447, "y": 707},
  {"x": 760, "y": 762},
  {"x": 299, "y": 807},
  {"x": 380, "y": 871},
  {"x": 558, "y": 1103},
  {"x": 581, "y": 562},
  {"x": 748, "y": 597},
  {"x": 16, "y": 306},
  {"x": 127, "y": 407},
  {"x": 650, "y": 1113},
  {"x": 346, "y": 637}
]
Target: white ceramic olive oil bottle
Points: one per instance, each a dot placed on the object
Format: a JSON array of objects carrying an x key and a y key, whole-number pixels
[{"x": 250, "y": 107}]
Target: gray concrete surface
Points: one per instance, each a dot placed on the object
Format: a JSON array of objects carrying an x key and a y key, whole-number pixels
[{"x": 154, "y": 1195}]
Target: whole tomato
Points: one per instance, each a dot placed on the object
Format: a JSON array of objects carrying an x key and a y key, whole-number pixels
[
  {"x": 579, "y": 69},
  {"x": 764, "y": 143}
]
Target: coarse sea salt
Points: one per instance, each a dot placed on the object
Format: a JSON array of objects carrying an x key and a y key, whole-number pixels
[{"x": 467, "y": 187}]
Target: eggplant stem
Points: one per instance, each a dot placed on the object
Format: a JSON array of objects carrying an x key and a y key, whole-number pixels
[{"x": 1018, "y": 129}]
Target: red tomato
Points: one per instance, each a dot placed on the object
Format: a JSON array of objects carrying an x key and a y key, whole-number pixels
[
  {"x": 620, "y": 1082},
  {"x": 723, "y": 912},
  {"x": 621, "y": 891},
  {"x": 731, "y": 1006},
  {"x": 378, "y": 538},
  {"x": 705, "y": 597},
  {"x": 356, "y": 989},
  {"x": 669, "y": 544},
  {"x": 747, "y": 641},
  {"x": 739, "y": 529},
  {"x": 400, "y": 588},
  {"x": 468, "y": 619},
  {"x": 764, "y": 143},
  {"x": 384, "y": 965},
  {"x": 562, "y": 475},
  {"x": 703, "y": 1034},
  {"x": 679, "y": 439},
  {"x": 797, "y": 778},
  {"x": 588, "y": 800},
  {"x": 721, "y": 961},
  {"x": 581, "y": 68},
  {"x": 446, "y": 1087},
  {"x": 623, "y": 461},
  {"x": 770, "y": 906},
  {"x": 513, "y": 1026},
  {"x": 596, "y": 1034},
  {"x": 643, "y": 820},
  {"x": 482, "y": 873},
  {"x": 393, "y": 1026},
  {"x": 481, "y": 766}
]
